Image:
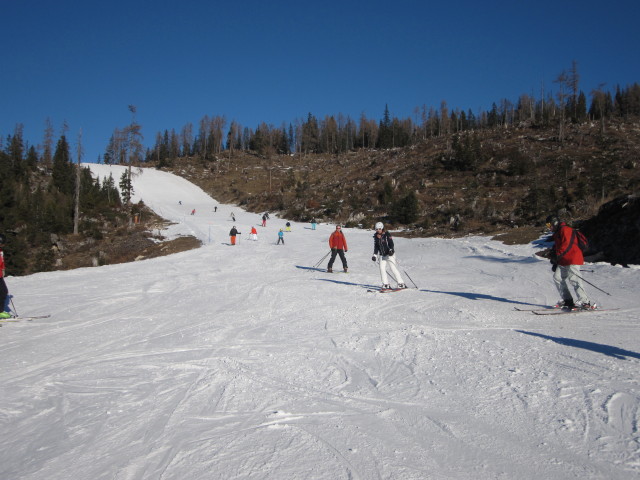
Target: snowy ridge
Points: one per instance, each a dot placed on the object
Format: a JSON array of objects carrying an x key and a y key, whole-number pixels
[{"x": 229, "y": 362}]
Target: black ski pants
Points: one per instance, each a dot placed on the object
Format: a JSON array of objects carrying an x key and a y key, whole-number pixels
[
  {"x": 4, "y": 291},
  {"x": 334, "y": 252}
]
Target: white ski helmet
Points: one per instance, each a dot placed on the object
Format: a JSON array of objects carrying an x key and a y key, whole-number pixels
[{"x": 379, "y": 226}]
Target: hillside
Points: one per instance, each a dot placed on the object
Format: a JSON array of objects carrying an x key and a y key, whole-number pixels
[
  {"x": 501, "y": 182},
  {"x": 488, "y": 181}
]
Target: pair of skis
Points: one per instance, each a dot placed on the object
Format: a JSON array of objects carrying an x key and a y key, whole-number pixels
[
  {"x": 18, "y": 318},
  {"x": 386, "y": 290},
  {"x": 560, "y": 311}
]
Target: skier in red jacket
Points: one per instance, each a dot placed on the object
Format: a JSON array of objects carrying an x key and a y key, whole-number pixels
[
  {"x": 566, "y": 258},
  {"x": 338, "y": 246}
]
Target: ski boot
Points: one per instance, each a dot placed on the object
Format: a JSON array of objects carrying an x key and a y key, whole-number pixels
[
  {"x": 587, "y": 306},
  {"x": 567, "y": 304}
]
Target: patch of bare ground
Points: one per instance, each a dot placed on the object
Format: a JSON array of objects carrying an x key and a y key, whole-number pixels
[
  {"x": 127, "y": 243},
  {"x": 519, "y": 236}
]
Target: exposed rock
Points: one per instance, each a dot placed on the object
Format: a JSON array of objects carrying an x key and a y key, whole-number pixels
[{"x": 614, "y": 233}]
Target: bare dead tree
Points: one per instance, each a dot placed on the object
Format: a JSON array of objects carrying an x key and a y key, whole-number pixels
[
  {"x": 76, "y": 215},
  {"x": 47, "y": 153},
  {"x": 573, "y": 80},
  {"x": 562, "y": 81},
  {"x": 599, "y": 97}
]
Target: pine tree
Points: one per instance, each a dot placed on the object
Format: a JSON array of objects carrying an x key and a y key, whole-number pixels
[
  {"x": 126, "y": 186},
  {"x": 406, "y": 210},
  {"x": 385, "y": 130},
  {"x": 310, "y": 135},
  {"x": 63, "y": 173}
]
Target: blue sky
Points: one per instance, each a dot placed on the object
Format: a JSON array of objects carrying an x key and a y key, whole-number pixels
[{"x": 259, "y": 61}]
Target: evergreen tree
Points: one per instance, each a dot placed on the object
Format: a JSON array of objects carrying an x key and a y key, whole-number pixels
[
  {"x": 406, "y": 210},
  {"x": 32, "y": 158},
  {"x": 63, "y": 172},
  {"x": 310, "y": 135},
  {"x": 126, "y": 186},
  {"x": 109, "y": 191},
  {"x": 385, "y": 130},
  {"x": 581, "y": 109}
]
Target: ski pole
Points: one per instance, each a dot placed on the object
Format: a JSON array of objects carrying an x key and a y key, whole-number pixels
[
  {"x": 388, "y": 272},
  {"x": 586, "y": 281},
  {"x": 392, "y": 277},
  {"x": 317, "y": 264},
  {"x": 322, "y": 260},
  {"x": 13, "y": 307},
  {"x": 414, "y": 283}
]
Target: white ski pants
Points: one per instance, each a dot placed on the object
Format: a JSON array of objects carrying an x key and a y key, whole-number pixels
[
  {"x": 563, "y": 276},
  {"x": 391, "y": 261}
]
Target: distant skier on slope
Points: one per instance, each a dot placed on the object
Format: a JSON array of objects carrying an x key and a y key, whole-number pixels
[
  {"x": 566, "y": 258},
  {"x": 4, "y": 291},
  {"x": 254, "y": 233},
  {"x": 338, "y": 246},
  {"x": 280, "y": 237},
  {"x": 232, "y": 235},
  {"x": 384, "y": 249}
]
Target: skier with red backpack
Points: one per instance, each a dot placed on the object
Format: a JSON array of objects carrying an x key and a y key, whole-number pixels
[{"x": 566, "y": 258}]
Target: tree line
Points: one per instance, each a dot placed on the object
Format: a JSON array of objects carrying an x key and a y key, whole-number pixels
[{"x": 335, "y": 134}]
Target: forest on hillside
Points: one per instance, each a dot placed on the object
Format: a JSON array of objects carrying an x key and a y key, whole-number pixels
[{"x": 41, "y": 197}]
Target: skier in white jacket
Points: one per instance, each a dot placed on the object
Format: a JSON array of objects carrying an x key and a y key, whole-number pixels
[{"x": 384, "y": 248}]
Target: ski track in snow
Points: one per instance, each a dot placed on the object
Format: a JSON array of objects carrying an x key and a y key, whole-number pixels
[{"x": 244, "y": 362}]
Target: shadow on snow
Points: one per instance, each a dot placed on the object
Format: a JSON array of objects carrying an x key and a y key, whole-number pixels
[
  {"x": 608, "y": 350},
  {"x": 467, "y": 295},
  {"x": 487, "y": 258},
  {"x": 482, "y": 296},
  {"x": 312, "y": 269},
  {"x": 316, "y": 269},
  {"x": 363, "y": 285}
]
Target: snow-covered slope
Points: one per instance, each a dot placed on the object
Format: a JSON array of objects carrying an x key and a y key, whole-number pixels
[{"x": 244, "y": 362}]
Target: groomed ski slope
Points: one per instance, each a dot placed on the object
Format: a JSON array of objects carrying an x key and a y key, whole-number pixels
[{"x": 243, "y": 363}]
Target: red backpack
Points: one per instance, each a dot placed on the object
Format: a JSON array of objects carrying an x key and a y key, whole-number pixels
[
  {"x": 583, "y": 243},
  {"x": 580, "y": 239}
]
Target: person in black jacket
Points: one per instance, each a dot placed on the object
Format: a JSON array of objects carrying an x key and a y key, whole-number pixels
[
  {"x": 383, "y": 248},
  {"x": 4, "y": 292},
  {"x": 232, "y": 235}
]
